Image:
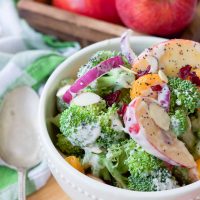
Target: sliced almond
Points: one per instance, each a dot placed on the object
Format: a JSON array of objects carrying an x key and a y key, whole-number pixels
[
  {"x": 85, "y": 99},
  {"x": 160, "y": 116},
  {"x": 153, "y": 62},
  {"x": 162, "y": 76},
  {"x": 128, "y": 70},
  {"x": 62, "y": 91}
]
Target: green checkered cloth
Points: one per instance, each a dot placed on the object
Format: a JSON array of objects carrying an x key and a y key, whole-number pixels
[{"x": 26, "y": 58}]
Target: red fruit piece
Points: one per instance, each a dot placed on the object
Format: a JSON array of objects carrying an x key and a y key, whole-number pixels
[
  {"x": 194, "y": 78},
  {"x": 99, "y": 9},
  {"x": 112, "y": 98},
  {"x": 184, "y": 72},
  {"x": 156, "y": 88},
  {"x": 157, "y": 17}
]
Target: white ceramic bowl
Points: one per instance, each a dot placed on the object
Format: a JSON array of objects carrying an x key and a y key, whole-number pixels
[{"x": 77, "y": 185}]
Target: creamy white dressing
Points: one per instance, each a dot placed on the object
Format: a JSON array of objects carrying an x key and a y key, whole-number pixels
[
  {"x": 94, "y": 161},
  {"x": 94, "y": 149},
  {"x": 116, "y": 123},
  {"x": 161, "y": 185},
  {"x": 86, "y": 135}
]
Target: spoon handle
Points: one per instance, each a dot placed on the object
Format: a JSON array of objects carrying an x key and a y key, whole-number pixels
[{"x": 21, "y": 184}]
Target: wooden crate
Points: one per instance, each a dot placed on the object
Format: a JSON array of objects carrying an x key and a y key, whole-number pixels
[{"x": 86, "y": 30}]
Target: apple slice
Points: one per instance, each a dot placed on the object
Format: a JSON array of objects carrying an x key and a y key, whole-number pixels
[
  {"x": 171, "y": 56},
  {"x": 85, "y": 99},
  {"x": 154, "y": 136}
]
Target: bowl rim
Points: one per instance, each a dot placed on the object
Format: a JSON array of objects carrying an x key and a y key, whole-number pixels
[{"x": 46, "y": 141}]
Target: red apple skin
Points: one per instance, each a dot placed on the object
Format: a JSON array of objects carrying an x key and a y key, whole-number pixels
[
  {"x": 99, "y": 9},
  {"x": 156, "y": 17}
]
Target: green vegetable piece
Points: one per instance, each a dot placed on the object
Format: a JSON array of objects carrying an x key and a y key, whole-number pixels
[
  {"x": 179, "y": 122},
  {"x": 184, "y": 95},
  {"x": 76, "y": 119},
  {"x": 158, "y": 180},
  {"x": 97, "y": 58},
  {"x": 97, "y": 164},
  {"x": 56, "y": 120},
  {"x": 110, "y": 135},
  {"x": 67, "y": 148},
  {"x": 139, "y": 161}
]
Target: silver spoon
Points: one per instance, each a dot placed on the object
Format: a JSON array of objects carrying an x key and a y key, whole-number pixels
[{"x": 19, "y": 145}]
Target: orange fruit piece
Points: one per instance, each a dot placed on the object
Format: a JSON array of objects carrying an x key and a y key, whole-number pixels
[
  {"x": 142, "y": 86},
  {"x": 75, "y": 162},
  {"x": 198, "y": 166}
]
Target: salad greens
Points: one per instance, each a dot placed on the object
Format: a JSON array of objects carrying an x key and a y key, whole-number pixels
[{"x": 100, "y": 131}]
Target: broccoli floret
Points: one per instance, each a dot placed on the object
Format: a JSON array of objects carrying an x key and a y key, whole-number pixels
[
  {"x": 139, "y": 161},
  {"x": 114, "y": 80},
  {"x": 139, "y": 183},
  {"x": 148, "y": 173},
  {"x": 55, "y": 120},
  {"x": 157, "y": 180},
  {"x": 179, "y": 122},
  {"x": 97, "y": 58},
  {"x": 144, "y": 171},
  {"x": 67, "y": 148},
  {"x": 184, "y": 95},
  {"x": 111, "y": 128},
  {"x": 79, "y": 123}
]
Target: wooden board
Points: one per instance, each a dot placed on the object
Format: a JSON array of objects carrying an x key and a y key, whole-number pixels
[
  {"x": 66, "y": 25},
  {"x": 86, "y": 30},
  {"x": 51, "y": 191}
]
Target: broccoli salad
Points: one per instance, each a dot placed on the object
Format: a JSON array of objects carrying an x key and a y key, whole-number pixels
[{"x": 134, "y": 121}]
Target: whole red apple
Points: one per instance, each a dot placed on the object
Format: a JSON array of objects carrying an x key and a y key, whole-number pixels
[
  {"x": 156, "y": 17},
  {"x": 99, "y": 9}
]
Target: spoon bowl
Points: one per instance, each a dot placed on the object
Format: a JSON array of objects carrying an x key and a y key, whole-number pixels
[{"x": 19, "y": 145}]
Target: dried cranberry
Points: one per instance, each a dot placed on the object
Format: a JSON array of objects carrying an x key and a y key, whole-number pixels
[
  {"x": 142, "y": 73},
  {"x": 194, "y": 78},
  {"x": 184, "y": 72},
  {"x": 112, "y": 98},
  {"x": 156, "y": 88},
  {"x": 122, "y": 110}
]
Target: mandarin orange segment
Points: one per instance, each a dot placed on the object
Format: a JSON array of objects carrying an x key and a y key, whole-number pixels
[
  {"x": 75, "y": 162},
  {"x": 142, "y": 86}
]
